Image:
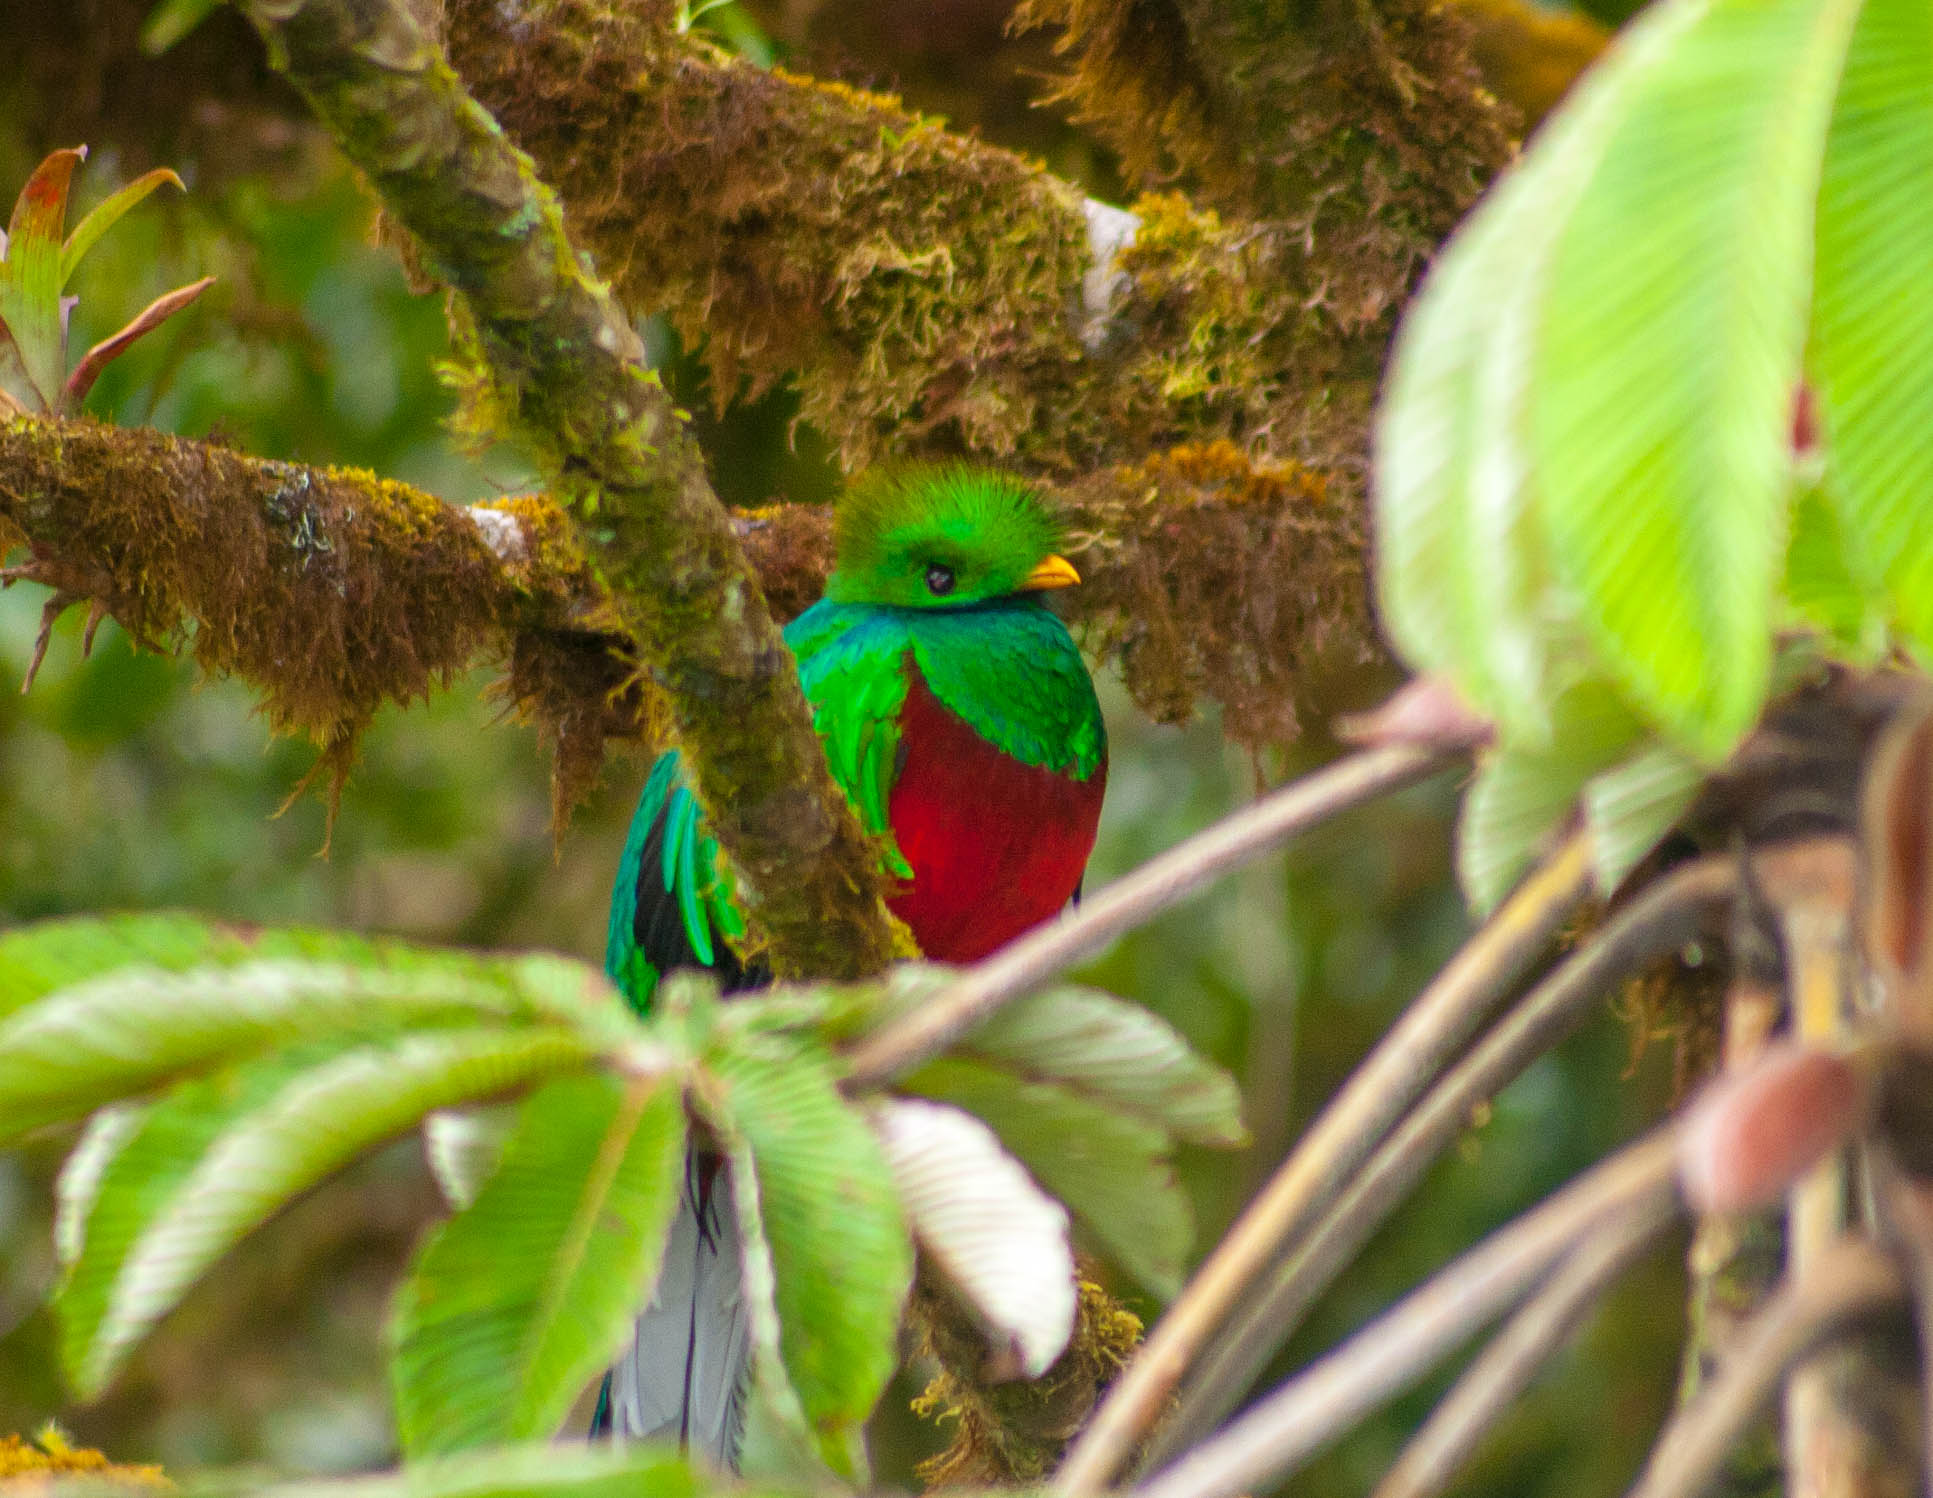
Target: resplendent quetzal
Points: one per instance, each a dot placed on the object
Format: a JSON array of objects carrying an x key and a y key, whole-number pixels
[{"x": 959, "y": 718}]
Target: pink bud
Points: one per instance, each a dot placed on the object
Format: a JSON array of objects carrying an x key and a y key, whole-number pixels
[{"x": 1749, "y": 1137}]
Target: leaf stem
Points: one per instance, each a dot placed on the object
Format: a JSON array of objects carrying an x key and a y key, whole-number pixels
[
  {"x": 1303, "y": 1415},
  {"x": 1131, "y": 901},
  {"x": 1667, "y": 914},
  {"x": 1413, "y": 1053}
]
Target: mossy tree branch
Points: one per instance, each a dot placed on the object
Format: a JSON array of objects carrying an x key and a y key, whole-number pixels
[
  {"x": 1207, "y": 575},
  {"x": 567, "y": 373},
  {"x": 923, "y": 289}
]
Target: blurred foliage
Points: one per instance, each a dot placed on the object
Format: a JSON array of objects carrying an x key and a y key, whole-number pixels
[{"x": 125, "y": 783}]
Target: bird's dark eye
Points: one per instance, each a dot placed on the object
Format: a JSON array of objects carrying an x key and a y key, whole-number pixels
[{"x": 939, "y": 580}]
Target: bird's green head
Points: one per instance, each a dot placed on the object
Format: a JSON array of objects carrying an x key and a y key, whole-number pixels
[{"x": 936, "y": 536}]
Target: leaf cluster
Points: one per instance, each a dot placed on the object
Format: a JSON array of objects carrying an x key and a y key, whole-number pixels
[
  {"x": 36, "y": 264},
  {"x": 224, "y": 1071},
  {"x": 1658, "y": 427}
]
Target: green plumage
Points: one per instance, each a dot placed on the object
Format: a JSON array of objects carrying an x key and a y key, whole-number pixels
[{"x": 996, "y": 657}]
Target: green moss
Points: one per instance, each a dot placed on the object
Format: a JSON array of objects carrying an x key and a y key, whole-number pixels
[{"x": 1014, "y": 1431}]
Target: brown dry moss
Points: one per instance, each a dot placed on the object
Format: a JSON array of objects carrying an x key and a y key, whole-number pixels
[
  {"x": 1207, "y": 575},
  {"x": 924, "y": 289},
  {"x": 1015, "y": 1431},
  {"x": 917, "y": 279},
  {"x": 28, "y": 1467},
  {"x": 331, "y": 590},
  {"x": 1213, "y": 574},
  {"x": 1364, "y": 122}
]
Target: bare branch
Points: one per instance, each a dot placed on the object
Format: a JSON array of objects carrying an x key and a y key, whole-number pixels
[
  {"x": 1283, "y": 1430},
  {"x": 1666, "y": 915},
  {"x": 1132, "y": 900},
  {"x": 1849, "y": 1283},
  {"x": 1408, "y": 1058},
  {"x": 1505, "y": 1368}
]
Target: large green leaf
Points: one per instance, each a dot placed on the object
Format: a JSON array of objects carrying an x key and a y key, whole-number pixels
[
  {"x": 519, "y": 1300},
  {"x": 218, "y": 1155},
  {"x": 1118, "y": 1054},
  {"x": 131, "y": 1028},
  {"x": 1112, "y": 1170},
  {"x": 1669, "y": 363},
  {"x": 841, "y": 1259},
  {"x": 1872, "y": 333},
  {"x": 538, "y": 1470},
  {"x": 1462, "y": 568}
]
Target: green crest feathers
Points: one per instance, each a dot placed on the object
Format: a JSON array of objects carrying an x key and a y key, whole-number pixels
[{"x": 976, "y": 532}]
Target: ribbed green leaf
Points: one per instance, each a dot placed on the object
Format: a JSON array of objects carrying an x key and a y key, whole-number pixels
[
  {"x": 129, "y": 1030},
  {"x": 518, "y": 1301},
  {"x": 1462, "y": 568},
  {"x": 545, "y": 1470},
  {"x": 841, "y": 1258},
  {"x": 1118, "y": 1054},
  {"x": 1670, "y": 359},
  {"x": 1630, "y": 808},
  {"x": 41, "y": 958},
  {"x": 1111, "y": 1170},
  {"x": 218, "y": 1155},
  {"x": 1522, "y": 797},
  {"x": 1872, "y": 332}
]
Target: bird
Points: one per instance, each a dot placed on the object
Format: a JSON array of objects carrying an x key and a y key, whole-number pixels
[{"x": 960, "y": 720}]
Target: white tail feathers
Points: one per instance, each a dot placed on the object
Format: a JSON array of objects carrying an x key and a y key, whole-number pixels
[{"x": 685, "y": 1375}]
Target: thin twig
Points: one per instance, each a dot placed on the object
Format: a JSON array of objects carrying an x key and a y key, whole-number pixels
[
  {"x": 1305, "y": 1414},
  {"x": 1666, "y": 915},
  {"x": 1131, "y": 901},
  {"x": 1811, "y": 886},
  {"x": 1408, "y": 1058},
  {"x": 1505, "y": 1368},
  {"x": 1852, "y": 1281}
]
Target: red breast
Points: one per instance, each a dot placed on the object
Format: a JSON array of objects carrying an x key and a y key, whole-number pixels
[{"x": 996, "y": 845}]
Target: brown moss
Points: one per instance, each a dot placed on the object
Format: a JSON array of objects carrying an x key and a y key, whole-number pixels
[
  {"x": 332, "y": 590},
  {"x": 923, "y": 290},
  {"x": 1212, "y": 573},
  {"x": 1014, "y": 1431},
  {"x": 1208, "y": 574},
  {"x": 789, "y": 224},
  {"x": 31, "y": 1467},
  {"x": 1364, "y": 122}
]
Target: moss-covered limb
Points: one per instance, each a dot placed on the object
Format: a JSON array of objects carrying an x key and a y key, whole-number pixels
[
  {"x": 1364, "y": 125},
  {"x": 1013, "y": 1432},
  {"x": 1207, "y": 575},
  {"x": 565, "y": 370},
  {"x": 925, "y": 290},
  {"x": 332, "y": 590}
]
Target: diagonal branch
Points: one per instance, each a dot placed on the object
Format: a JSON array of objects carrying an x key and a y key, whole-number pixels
[{"x": 566, "y": 372}]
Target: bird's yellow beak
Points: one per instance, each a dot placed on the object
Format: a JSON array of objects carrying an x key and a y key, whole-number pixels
[{"x": 1055, "y": 572}]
